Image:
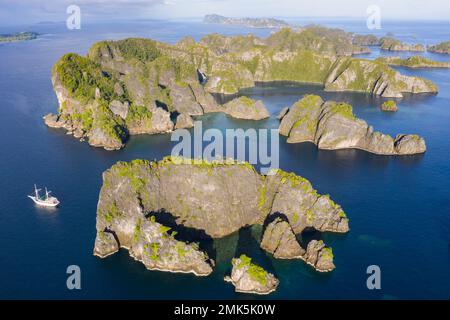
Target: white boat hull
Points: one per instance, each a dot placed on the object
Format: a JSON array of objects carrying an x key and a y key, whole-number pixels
[{"x": 44, "y": 203}]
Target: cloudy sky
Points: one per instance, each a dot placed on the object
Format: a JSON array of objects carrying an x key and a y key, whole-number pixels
[{"x": 31, "y": 11}]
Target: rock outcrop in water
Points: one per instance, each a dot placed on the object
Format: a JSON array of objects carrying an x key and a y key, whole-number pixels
[
  {"x": 248, "y": 277},
  {"x": 390, "y": 106},
  {"x": 216, "y": 198},
  {"x": 279, "y": 240},
  {"x": 184, "y": 121},
  {"x": 391, "y": 44},
  {"x": 319, "y": 256},
  {"x": 332, "y": 125}
]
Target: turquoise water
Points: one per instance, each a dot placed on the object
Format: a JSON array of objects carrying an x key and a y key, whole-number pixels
[{"x": 398, "y": 207}]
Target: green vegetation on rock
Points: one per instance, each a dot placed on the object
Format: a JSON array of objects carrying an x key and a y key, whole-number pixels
[
  {"x": 389, "y": 105},
  {"x": 254, "y": 271},
  {"x": 133, "y": 171},
  {"x": 112, "y": 212},
  {"x": 343, "y": 109},
  {"x": 139, "y": 115},
  {"x": 414, "y": 62},
  {"x": 327, "y": 253}
]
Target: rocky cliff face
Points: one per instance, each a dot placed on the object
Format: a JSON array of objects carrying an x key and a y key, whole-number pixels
[
  {"x": 312, "y": 55},
  {"x": 332, "y": 125},
  {"x": 216, "y": 198},
  {"x": 279, "y": 239},
  {"x": 248, "y": 277},
  {"x": 389, "y": 106}
]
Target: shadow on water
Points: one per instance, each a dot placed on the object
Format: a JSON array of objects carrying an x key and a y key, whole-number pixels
[{"x": 184, "y": 233}]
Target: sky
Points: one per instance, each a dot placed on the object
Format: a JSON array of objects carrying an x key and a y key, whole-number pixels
[{"x": 21, "y": 12}]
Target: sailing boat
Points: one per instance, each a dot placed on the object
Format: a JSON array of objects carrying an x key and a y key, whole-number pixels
[{"x": 46, "y": 201}]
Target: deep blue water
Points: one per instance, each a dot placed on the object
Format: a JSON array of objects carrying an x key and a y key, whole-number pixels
[{"x": 399, "y": 207}]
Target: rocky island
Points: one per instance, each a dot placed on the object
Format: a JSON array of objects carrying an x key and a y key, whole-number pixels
[
  {"x": 414, "y": 62},
  {"x": 141, "y": 86},
  {"x": 18, "y": 36},
  {"x": 248, "y": 277},
  {"x": 246, "y": 108},
  {"x": 216, "y": 199},
  {"x": 332, "y": 125},
  {"x": 246, "y": 22},
  {"x": 443, "y": 47}
]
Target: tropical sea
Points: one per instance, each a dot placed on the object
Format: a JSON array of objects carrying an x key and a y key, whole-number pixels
[{"x": 399, "y": 207}]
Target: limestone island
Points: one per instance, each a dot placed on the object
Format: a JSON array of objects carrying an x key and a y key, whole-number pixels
[
  {"x": 216, "y": 199},
  {"x": 386, "y": 43},
  {"x": 391, "y": 44},
  {"x": 332, "y": 125},
  {"x": 414, "y": 62},
  {"x": 443, "y": 47},
  {"x": 141, "y": 86},
  {"x": 390, "y": 106},
  {"x": 18, "y": 36},
  {"x": 248, "y": 277},
  {"x": 246, "y": 22}
]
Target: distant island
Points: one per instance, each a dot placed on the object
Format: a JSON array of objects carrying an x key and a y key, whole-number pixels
[
  {"x": 18, "y": 36},
  {"x": 247, "y": 22}
]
